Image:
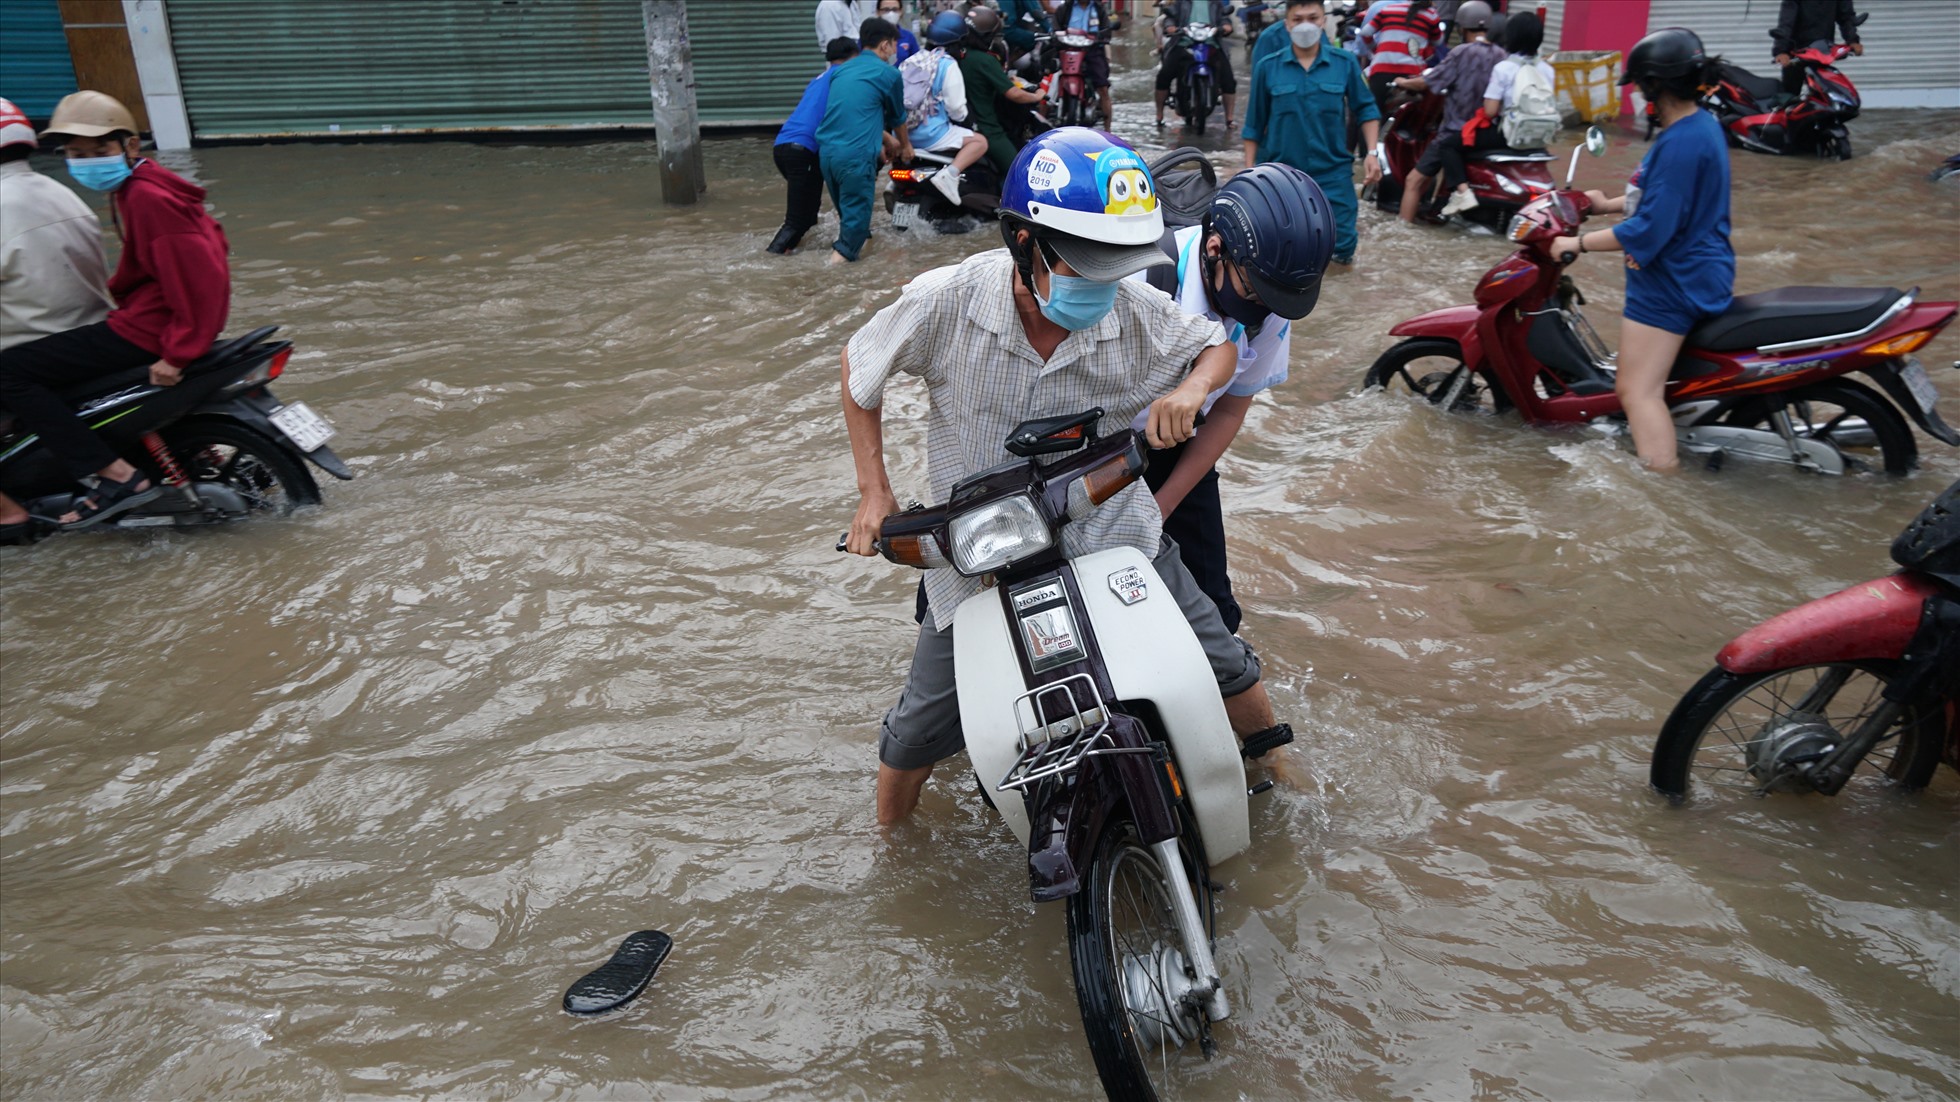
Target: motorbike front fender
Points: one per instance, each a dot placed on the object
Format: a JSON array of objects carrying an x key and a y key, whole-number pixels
[
  {"x": 1456, "y": 323},
  {"x": 1870, "y": 620}
]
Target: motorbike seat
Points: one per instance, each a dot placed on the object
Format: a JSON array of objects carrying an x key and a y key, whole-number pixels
[
  {"x": 1792, "y": 314},
  {"x": 220, "y": 357},
  {"x": 1763, "y": 90}
]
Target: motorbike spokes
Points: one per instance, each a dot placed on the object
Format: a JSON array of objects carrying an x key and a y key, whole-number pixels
[
  {"x": 1434, "y": 371},
  {"x": 1753, "y": 735}
]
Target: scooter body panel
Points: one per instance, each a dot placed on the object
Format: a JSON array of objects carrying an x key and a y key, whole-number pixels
[
  {"x": 1149, "y": 653},
  {"x": 1870, "y": 620}
]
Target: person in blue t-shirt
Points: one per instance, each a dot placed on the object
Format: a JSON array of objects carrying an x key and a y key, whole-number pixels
[
  {"x": 893, "y": 12},
  {"x": 796, "y": 151},
  {"x": 1680, "y": 265},
  {"x": 866, "y": 106}
]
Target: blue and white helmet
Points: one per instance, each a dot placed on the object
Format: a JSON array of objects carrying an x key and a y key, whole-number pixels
[{"x": 1089, "y": 196}]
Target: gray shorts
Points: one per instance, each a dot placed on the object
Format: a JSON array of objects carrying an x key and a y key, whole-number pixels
[{"x": 924, "y": 726}]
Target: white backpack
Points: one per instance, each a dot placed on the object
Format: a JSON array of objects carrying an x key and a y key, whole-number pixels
[
  {"x": 1533, "y": 120},
  {"x": 923, "y": 79}
]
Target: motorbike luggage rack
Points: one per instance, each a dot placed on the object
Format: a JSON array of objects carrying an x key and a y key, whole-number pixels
[{"x": 1053, "y": 743}]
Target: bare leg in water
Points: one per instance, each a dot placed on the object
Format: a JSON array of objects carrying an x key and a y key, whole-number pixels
[{"x": 1646, "y": 359}]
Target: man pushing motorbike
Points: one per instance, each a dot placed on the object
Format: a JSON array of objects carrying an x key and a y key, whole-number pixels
[
  {"x": 172, "y": 287},
  {"x": 1046, "y": 326}
]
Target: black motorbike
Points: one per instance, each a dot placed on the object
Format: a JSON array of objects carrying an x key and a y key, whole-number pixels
[
  {"x": 218, "y": 442},
  {"x": 913, "y": 200}
]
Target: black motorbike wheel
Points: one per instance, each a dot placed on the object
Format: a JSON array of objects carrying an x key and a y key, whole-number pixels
[
  {"x": 1432, "y": 369},
  {"x": 1199, "y": 112},
  {"x": 1122, "y": 941},
  {"x": 1730, "y": 729},
  {"x": 1069, "y": 113},
  {"x": 232, "y": 455},
  {"x": 1866, "y": 429}
]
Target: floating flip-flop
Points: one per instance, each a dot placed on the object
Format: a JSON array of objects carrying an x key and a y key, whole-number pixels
[{"x": 620, "y": 980}]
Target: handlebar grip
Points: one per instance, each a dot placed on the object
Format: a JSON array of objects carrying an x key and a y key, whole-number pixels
[
  {"x": 843, "y": 541},
  {"x": 1567, "y": 257}
]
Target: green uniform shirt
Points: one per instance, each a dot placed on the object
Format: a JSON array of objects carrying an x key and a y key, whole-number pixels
[
  {"x": 867, "y": 98},
  {"x": 1298, "y": 116}
]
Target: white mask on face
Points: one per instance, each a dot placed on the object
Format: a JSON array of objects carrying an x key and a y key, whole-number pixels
[
  {"x": 1305, "y": 35},
  {"x": 890, "y": 17}
]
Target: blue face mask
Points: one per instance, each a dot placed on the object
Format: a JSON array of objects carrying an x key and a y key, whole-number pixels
[
  {"x": 1076, "y": 303},
  {"x": 100, "y": 173}
]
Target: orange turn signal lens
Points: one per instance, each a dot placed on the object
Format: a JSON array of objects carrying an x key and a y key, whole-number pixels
[
  {"x": 917, "y": 549},
  {"x": 1901, "y": 346},
  {"x": 902, "y": 175},
  {"x": 1103, "y": 482}
]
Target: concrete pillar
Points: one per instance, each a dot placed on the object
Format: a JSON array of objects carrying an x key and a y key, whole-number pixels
[
  {"x": 670, "y": 64},
  {"x": 156, "y": 69}
]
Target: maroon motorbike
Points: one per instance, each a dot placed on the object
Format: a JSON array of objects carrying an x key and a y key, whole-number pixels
[
  {"x": 1859, "y": 687},
  {"x": 1503, "y": 180},
  {"x": 1770, "y": 379}
]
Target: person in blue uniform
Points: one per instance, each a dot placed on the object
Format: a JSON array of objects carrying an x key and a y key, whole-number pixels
[
  {"x": 796, "y": 151},
  {"x": 1296, "y": 113},
  {"x": 1680, "y": 265},
  {"x": 867, "y": 101}
]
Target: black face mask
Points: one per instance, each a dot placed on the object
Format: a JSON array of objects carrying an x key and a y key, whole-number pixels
[{"x": 1229, "y": 302}]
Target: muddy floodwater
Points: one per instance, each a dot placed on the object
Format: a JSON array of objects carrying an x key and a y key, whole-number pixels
[{"x": 337, "y": 805}]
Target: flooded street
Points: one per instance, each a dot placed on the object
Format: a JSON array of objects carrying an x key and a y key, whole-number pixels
[{"x": 337, "y": 805}]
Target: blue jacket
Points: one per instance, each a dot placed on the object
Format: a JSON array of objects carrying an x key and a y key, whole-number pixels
[{"x": 801, "y": 127}]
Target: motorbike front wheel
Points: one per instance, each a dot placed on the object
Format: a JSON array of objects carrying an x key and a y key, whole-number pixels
[
  {"x": 1433, "y": 369},
  {"x": 1199, "y": 111},
  {"x": 1732, "y": 733},
  {"x": 1069, "y": 112},
  {"x": 232, "y": 455},
  {"x": 1851, "y": 417},
  {"x": 1129, "y": 965}
]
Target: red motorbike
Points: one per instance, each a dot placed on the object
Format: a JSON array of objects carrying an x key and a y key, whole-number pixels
[
  {"x": 1864, "y": 683},
  {"x": 1503, "y": 180},
  {"x": 1768, "y": 380},
  {"x": 1071, "y": 102},
  {"x": 1753, "y": 113}
]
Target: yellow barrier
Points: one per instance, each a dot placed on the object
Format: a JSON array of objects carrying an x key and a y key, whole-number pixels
[{"x": 1588, "y": 84}]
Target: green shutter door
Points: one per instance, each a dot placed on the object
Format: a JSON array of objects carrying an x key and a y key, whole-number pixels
[
  {"x": 275, "y": 67},
  {"x": 750, "y": 70},
  {"x": 37, "y": 71}
]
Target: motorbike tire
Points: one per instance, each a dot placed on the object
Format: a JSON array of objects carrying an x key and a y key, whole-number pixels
[
  {"x": 226, "y": 452},
  {"x": 1892, "y": 439},
  {"x": 1686, "y": 759},
  {"x": 1841, "y": 148},
  {"x": 1105, "y": 954},
  {"x": 1392, "y": 367},
  {"x": 1069, "y": 112},
  {"x": 1201, "y": 98}
]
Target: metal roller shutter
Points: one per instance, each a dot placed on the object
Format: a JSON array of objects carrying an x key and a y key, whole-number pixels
[
  {"x": 1912, "y": 47},
  {"x": 38, "y": 71},
  {"x": 273, "y": 67},
  {"x": 742, "y": 77}
]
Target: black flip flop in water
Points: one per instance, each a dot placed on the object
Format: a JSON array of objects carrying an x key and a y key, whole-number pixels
[{"x": 620, "y": 980}]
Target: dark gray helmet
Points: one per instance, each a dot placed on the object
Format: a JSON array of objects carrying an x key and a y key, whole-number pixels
[
  {"x": 1474, "y": 15},
  {"x": 1276, "y": 224}
]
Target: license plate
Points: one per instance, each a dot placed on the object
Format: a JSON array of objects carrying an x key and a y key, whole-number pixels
[
  {"x": 904, "y": 215},
  {"x": 305, "y": 428},
  {"x": 1922, "y": 387}
]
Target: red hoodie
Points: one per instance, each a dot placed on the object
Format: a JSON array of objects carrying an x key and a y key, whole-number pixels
[{"x": 173, "y": 283}]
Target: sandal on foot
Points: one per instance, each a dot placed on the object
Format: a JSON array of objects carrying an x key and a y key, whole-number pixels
[{"x": 110, "y": 498}]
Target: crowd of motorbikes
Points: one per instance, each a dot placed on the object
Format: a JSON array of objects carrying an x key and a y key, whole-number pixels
[{"x": 1092, "y": 722}]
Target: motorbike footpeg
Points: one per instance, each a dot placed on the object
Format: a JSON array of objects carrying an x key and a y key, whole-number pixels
[{"x": 1272, "y": 738}]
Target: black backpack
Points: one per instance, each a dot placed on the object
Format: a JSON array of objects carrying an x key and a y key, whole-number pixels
[{"x": 1185, "y": 181}]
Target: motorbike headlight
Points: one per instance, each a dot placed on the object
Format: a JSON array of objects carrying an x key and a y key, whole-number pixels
[{"x": 997, "y": 533}]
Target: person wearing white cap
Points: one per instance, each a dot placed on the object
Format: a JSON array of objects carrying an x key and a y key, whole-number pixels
[{"x": 52, "y": 275}]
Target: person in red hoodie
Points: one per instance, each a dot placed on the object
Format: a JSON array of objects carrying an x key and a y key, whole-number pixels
[{"x": 172, "y": 289}]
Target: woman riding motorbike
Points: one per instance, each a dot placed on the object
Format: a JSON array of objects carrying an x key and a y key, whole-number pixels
[{"x": 1680, "y": 265}]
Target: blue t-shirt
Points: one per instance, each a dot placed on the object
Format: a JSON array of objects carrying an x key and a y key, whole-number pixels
[
  {"x": 801, "y": 127},
  {"x": 1678, "y": 230}
]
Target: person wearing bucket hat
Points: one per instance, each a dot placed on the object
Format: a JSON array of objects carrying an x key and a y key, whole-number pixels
[
  {"x": 52, "y": 275},
  {"x": 1680, "y": 264},
  {"x": 1253, "y": 265},
  {"x": 172, "y": 288},
  {"x": 1046, "y": 326}
]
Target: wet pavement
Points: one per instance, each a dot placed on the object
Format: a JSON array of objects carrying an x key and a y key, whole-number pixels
[{"x": 337, "y": 805}]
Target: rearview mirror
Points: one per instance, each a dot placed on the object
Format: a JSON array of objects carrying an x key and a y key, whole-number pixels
[{"x": 1595, "y": 141}]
